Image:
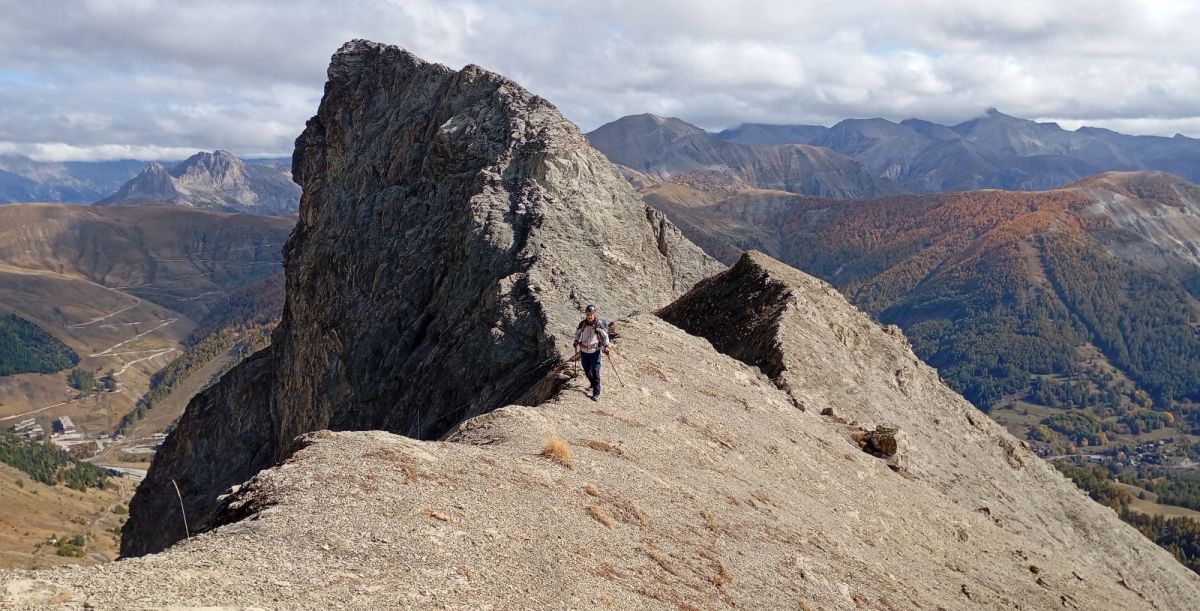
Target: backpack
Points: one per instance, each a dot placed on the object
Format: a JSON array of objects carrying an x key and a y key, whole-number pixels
[{"x": 601, "y": 323}]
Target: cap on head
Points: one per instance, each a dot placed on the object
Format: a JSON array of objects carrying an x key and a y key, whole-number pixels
[{"x": 591, "y": 309}]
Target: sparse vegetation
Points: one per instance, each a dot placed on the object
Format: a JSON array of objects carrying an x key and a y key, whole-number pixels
[
  {"x": 601, "y": 446},
  {"x": 27, "y": 348},
  {"x": 601, "y": 517},
  {"x": 258, "y": 304},
  {"x": 245, "y": 340},
  {"x": 82, "y": 380},
  {"x": 1180, "y": 536},
  {"x": 75, "y": 547},
  {"x": 558, "y": 450}
]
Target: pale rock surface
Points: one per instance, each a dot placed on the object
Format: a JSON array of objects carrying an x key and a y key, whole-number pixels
[
  {"x": 824, "y": 353},
  {"x": 696, "y": 485}
]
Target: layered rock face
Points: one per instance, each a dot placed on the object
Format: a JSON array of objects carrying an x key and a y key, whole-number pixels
[
  {"x": 453, "y": 225},
  {"x": 697, "y": 483}
]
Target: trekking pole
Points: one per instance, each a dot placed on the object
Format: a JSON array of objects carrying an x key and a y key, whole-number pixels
[{"x": 614, "y": 366}]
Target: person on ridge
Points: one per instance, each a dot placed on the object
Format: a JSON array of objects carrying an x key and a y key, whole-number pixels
[{"x": 591, "y": 339}]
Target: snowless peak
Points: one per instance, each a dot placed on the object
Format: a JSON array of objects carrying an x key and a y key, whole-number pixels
[
  {"x": 218, "y": 180},
  {"x": 476, "y": 277}
]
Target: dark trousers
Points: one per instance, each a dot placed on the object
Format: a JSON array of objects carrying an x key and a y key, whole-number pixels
[{"x": 591, "y": 368}]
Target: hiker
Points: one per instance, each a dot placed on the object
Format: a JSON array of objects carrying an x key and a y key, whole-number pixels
[{"x": 591, "y": 339}]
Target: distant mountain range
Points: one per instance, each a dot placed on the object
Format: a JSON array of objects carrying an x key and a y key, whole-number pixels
[
  {"x": 653, "y": 149},
  {"x": 997, "y": 288},
  {"x": 869, "y": 157},
  {"x": 80, "y": 182},
  {"x": 217, "y": 181}
]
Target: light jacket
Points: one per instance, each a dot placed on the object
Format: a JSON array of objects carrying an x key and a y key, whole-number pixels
[{"x": 591, "y": 338}]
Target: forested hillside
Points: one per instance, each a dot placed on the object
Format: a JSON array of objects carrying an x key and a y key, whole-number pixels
[
  {"x": 50, "y": 465},
  {"x": 27, "y": 348},
  {"x": 994, "y": 288}
]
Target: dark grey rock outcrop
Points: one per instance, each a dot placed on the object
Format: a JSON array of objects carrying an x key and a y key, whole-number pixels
[{"x": 452, "y": 227}]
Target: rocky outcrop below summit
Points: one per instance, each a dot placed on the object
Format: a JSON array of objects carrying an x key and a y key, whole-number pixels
[{"x": 452, "y": 227}]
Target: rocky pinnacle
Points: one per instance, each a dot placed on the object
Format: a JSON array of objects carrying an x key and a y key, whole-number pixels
[{"x": 452, "y": 227}]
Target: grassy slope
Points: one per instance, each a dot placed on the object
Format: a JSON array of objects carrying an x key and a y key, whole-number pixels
[
  {"x": 32, "y": 513},
  {"x": 62, "y": 266}
]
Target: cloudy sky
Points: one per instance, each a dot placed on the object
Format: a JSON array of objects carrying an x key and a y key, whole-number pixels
[{"x": 89, "y": 79}]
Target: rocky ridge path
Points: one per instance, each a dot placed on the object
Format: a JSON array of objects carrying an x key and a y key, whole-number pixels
[{"x": 698, "y": 484}]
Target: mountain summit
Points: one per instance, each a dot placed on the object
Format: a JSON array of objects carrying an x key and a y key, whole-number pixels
[{"x": 216, "y": 180}]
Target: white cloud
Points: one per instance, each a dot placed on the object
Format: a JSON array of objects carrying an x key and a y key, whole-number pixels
[{"x": 109, "y": 76}]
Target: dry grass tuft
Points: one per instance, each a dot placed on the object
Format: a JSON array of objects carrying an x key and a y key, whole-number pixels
[
  {"x": 630, "y": 513},
  {"x": 642, "y": 518},
  {"x": 600, "y": 516},
  {"x": 601, "y": 446},
  {"x": 762, "y": 497},
  {"x": 723, "y": 575},
  {"x": 592, "y": 490},
  {"x": 558, "y": 450}
]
